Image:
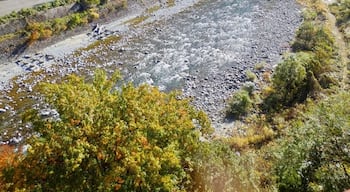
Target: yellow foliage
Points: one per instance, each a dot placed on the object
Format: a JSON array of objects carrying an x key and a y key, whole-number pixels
[
  {"x": 106, "y": 139},
  {"x": 45, "y": 34},
  {"x": 93, "y": 15},
  {"x": 34, "y": 36}
]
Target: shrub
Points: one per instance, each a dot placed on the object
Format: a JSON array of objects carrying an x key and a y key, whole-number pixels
[
  {"x": 239, "y": 104},
  {"x": 130, "y": 139},
  {"x": 34, "y": 36},
  {"x": 260, "y": 66},
  {"x": 27, "y": 12},
  {"x": 254, "y": 133},
  {"x": 250, "y": 75},
  {"x": 93, "y": 15},
  {"x": 59, "y": 25},
  {"x": 289, "y": 79},
  {"x": 76, "y": 20},
  {"x": 38, "y": 31},
  {"x": 311, "y": 35},
  {"x": 45, "y": 34},
  {"x": 8, "y": 162}
]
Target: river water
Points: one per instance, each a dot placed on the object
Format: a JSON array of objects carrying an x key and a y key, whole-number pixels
[
  {"x": 203, "y": 51},
  {"x": 206, "y": 50}
]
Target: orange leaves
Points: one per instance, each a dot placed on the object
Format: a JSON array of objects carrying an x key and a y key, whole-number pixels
[
  {"x": 143, "y": 140},
  {"x": 119, "y": 182},
  {"x": 7, "y": 156},
  {"x": 8, "y": 161},
  {"x": 75, "y": 122}
]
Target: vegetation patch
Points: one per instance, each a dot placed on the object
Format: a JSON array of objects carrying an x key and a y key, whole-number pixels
[
  {"x": 170, "y": 3},
  {"x": 137, "y": 20},
  {"x": 295, "y": 121},
  {"x": 341, "y": 10},
  {"x": 7, "y": 36},
  {"x": 153, "y": 9}
]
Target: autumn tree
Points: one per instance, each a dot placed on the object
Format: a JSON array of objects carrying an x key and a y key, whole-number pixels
[{"x": 110, "y": 139}]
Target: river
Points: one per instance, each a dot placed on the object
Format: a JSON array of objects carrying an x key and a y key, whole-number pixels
[{"x": 203, "y": 51}]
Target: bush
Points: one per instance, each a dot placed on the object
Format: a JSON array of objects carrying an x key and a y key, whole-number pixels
[
  {"x": 250, "y": 75},
  {"x": 239, "y": 104},
  {"x": 38, "y": 31},
  {"x": 289, "y": 79},
  {"x": 130, "y": 139},
  {"x": 59, "y": 25},
  {"x": 77, "y": 20},
  {"x": 312, "y": 35},
  {"x": 93, "y": 15},
  {"x": 45, "y": 34},
  {"x": 300, "y": 75},
  {"x": 8, "y": 162}
]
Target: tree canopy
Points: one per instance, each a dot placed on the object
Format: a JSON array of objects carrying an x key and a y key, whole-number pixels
[{"x": 109, "y": 139}]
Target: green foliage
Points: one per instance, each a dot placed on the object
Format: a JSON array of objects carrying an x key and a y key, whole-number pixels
[
  {"x": 341, "y": 10},
  {"x": 27, "y": 12},
  {"x": 89, "y": 3},
  {"x": 315, "y": 154},
  {"x": 92, "y": 14},
  {"x": 309, "y": 14},
  {"x": 316, "y": 38},
  {"x": 312, "y": 35},
  {"x": 77, "y": 19},
  {"x": 304, "y": 73},
  {"x": 106, "y": 139},
  {"x": 289, "y": 79},
  {"x": 250, "y": 75},
  {"x": 59, "y": 25},
  {"x": 240, "y": 103}
]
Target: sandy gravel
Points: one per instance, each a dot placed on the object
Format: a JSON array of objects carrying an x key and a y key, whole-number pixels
[{"x": 7, "y": 6}]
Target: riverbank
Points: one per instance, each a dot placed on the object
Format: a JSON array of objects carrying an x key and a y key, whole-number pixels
[
  {"x": 36, "y": 56},
  {"x": 204, "y": 51}
]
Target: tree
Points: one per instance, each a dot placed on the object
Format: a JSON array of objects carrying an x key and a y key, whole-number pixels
[{"x": 110, "y": 139}]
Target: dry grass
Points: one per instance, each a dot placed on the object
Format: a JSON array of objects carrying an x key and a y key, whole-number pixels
[
  {"x": 137, "y": 20},
  {"x": 7, "y": 36}
]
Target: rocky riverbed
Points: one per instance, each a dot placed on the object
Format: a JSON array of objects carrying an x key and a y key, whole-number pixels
[{"x": 202, "y": 48}]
